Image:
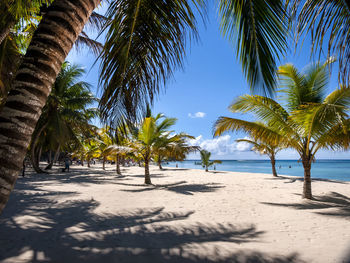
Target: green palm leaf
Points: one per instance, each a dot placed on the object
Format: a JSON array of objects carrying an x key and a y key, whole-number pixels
[
  {"x": 146, "y": 42},
  {"x": 258, "y": 28}
]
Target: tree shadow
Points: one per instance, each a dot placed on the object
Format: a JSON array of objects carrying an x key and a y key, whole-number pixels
[
  {"x": 290, "y": 179},
  {"x": 181, "y": 187},
  {"x": 82, "y": 176},
  {"x": 37, "y": 227},
  {"x": 334, "y": 201},
  {"x": 175, "y": 169}
]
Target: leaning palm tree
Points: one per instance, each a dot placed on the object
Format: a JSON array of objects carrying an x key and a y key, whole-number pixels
[
  {"x": 205, "y": 159},
  {"x": 54, "y": 38},
  {"x": 266, "y": 148},
  {"x": 311, "y": 121}
]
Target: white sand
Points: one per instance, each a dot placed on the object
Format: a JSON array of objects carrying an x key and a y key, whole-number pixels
[{"x": 188, "y": 216}]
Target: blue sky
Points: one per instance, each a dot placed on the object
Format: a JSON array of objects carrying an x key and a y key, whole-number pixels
[{"x": 199, "y": 94}]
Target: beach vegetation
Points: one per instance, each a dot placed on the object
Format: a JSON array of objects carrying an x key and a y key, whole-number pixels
[
  {"x": 309, "y": 120},
  {"x": 265, "y": 148},
  {"x": 205, "y": 159}
]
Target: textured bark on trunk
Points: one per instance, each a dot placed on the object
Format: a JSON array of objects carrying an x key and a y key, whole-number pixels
[
  {"x": 117, "y": 163},
  {"x": 307, "y": 193},
  {"x": 35, "y": 156},
  {"x": 147, "y": 175},
  {"x": 49, "y": 157},
  {"x": 6, "y": 29},
  {"x": 273, "y": 164},
  {"x": 57, "y": 153},
  {"x": 54, "y": 158},
  {"x": 50, "y": 45}
]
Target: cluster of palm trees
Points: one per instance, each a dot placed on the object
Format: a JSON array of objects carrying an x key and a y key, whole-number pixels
[
  {"x": 149, "y": 140},
  {"x": 145, "y": 42},
  {"x": 306, "y": 120}
]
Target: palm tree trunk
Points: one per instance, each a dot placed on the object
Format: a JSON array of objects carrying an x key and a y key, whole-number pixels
[
  {"x": 160, "y": 164},
  {"x": 307, "y": 193},
  {"x": 57, "y": 153},
  {"x": 50, "y": 45},
  {"x": 117, "y": 162},
  {"x": 103, "y": 163},
  {"x": 273, "y": 164},
  {"x": 35, "y": 158},
  {"x": 88, "y": 162},
  {"x": 49, "y": 157},
  {"x": 6, "y": 29},
  {"x": 147, "y": 175},
  {"x": 52, "y": 161},
  {"x": 206, "y": 168}
]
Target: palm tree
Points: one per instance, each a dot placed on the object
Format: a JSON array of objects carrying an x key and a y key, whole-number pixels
[
  {"x": 151, "y": 131},
  {"x": 312, "y": 121},
  {"x": 173, "y": 147},
  {"x": 55, "y": 36},
  {"x": 205, "y": 159},
  {"x": 65, "y": 114},
  {"x": 264, "y": 148},
  {"x": 49, "y": 47}
]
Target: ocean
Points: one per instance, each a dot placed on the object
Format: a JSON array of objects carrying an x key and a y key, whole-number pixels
[{"x": 324, "y": 169}]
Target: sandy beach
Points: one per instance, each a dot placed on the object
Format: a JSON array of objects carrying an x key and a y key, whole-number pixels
[{"x": 91, "y": 215}]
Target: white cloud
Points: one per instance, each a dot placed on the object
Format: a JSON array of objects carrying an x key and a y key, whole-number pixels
[
  {"x": 221, "y": 145},
  {"x": 198, "y": 114}
]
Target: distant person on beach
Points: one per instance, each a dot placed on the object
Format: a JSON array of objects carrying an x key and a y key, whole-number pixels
[
  {"x": 66, "y": 163},
  {"x": 177, "y": 166},
  {"x": 214, "y": 167},
  {"x": 290, "y": 166}
]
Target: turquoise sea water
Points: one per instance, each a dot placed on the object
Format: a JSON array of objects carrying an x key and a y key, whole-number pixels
[{"x": 325, "y": 169}]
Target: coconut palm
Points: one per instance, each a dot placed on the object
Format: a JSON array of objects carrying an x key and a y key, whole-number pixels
[
  {"x": 65, "y": 114},
  {"x": 268, "y": 149},
  {"x": 311, "y": 121},
  {"x": 173, "y": 147},
  {"x": 205, "y": 159},
  {"x": 151, "y": 131}
]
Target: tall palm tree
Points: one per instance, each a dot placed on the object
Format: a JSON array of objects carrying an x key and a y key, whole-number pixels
[
  {"x": 54, "y": 38},
  {"x": 205, "y": 159},
  {"x": 311, "y": 121},
  {"x": 264, "y": 148}
]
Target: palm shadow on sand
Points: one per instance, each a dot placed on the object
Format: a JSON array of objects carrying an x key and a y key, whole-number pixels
[
  {"x": 71, "y": 231},
  {"x": 292, "y": 179},
  {"x": 181, "y": 187},
  {"x": 334, "y": 204}
]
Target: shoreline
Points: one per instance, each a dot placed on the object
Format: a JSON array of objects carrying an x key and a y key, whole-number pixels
[{"x": 187, "y": 216}]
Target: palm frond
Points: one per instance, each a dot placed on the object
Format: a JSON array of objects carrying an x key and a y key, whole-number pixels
[
  {"x": 329, "y": 24},
  {"x": 146, "y": 42},
  {"x": 259, "y": 30}
]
